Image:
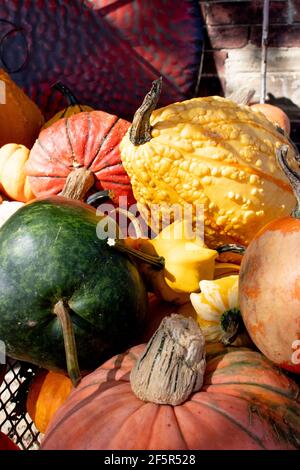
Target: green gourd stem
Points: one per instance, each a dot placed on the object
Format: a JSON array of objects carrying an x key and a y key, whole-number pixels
[
  {"x": 67, "y": 93},
  {"x": 157, "y": 262},
  {"x": 64, "y": 318},
  {"x": 291, "y": 174},
  {"x": 232, "y": 248},
  {"x": 231, "y": 322},
  {"x": 140, "y": 130}
]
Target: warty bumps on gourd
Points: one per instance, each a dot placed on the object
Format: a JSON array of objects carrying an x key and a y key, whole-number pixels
[{"x": 212, "y": 152}]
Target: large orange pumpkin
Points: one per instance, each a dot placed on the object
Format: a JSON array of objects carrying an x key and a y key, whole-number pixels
[
  {"x": 269, "y": 287},
  {"x": 83, "y": 148},
  {"x": 13, "y": 179},
  {"x": 20, "y": 118},
  {"x": 245, "y": 403}
]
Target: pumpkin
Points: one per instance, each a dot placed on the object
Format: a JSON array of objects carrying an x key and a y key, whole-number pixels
[
  {"x": 208, "y": 153},
  {"x": 245, "y": 402},
  {"x": 269, "y": 289},
  {"x": 47, "y": 392},
  {"x": 73, "y": 106},
  {"x": 20, "y": 118},
  {"x": 63, "y": 291},
  {"x": 13, "y": 179},
  {"x": 276, "y": 115},
  {"x": 6, "y": 443},
  {"x": 76, "y": 152},
  {"x": 7, "y": 209}
]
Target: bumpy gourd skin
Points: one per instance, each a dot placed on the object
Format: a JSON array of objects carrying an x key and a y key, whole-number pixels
[
  {"x": 49, "y": 251},
  {"x": 214, "y": 152}
]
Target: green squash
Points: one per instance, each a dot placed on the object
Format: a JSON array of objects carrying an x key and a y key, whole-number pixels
[{"x": 60, "y": 284}]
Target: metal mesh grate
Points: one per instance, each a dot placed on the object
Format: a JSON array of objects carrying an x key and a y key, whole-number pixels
[{"x": 14, "y": 421}]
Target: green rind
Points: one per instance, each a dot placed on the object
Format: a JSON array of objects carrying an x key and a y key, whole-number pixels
[{"x": 49, "y": 251}]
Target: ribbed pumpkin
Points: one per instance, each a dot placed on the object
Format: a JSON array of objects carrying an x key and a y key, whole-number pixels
[
  {"x": 211, "y": 152},
  {"x": 20, "y": 118},
  {"x": 84, "y": 147},
  {"x": 13, "y": 179},
  {"x": 245, "y": 403},
  {"x": 47, "y": 392},
  {"x": 6, "y": 443},
  {"x": 73, "y": 105},
  {"x": 276, "y": 115}
]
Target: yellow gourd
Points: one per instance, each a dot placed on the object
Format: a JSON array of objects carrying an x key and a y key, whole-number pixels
[
  {"x": 73, "y": 106},
  {"x": 186, "y": 261},
  {"x": 212, "y": 153},
  {"x": 13, "y": 180}
]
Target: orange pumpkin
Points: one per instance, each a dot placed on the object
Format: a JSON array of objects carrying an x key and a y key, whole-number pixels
[
  {"x": 6, "y": 443},
  {"x": 47, "y": 392},
  {"x": 20, "y": 118},
  {"x": 274, "y": 114},
  {"x": 269, "y": 287},
  {"x": 245, "y": 403},
  {"x": 13, "y": 180}
]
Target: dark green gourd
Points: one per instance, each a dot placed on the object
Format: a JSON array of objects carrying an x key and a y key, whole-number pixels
[{"x": 53, "y": 270}]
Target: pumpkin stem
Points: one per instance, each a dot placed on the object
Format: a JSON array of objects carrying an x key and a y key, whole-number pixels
[
  {"x": 231, "y": 322},
  {"x": 67, "y": 93},
  {"x": 79, "y": 181},
  {"x": 292, "y": 175},
  {"x": 99, "y": 196},
  {"x": 63, "y": 315},
  {"x": 157, "y": 261},
  {"x": 140, "y": 130},
  {"x": 173, "y": 363},
  {"x": 232, "y": 248}
]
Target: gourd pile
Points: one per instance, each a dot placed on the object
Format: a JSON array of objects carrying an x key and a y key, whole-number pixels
[{"x": 159, "y": 339}]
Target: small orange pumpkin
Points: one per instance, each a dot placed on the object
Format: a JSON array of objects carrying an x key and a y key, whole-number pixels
[
  {"x": 13, "y": 180},
  {"x": 47, "y": 392},
  {"x": 20, "y": 118},
  {"x": 274, "y": 114}
]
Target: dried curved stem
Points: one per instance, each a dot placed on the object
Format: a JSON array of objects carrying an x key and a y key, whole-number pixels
[{"x": 140, "y": 131}]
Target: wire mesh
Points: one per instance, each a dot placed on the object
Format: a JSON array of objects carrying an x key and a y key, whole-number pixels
[{"x": 14, "y": 420}]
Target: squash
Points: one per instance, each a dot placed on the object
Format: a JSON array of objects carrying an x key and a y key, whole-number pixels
[
  {"x": 206, "y": 153},
  {"x": 6, "y": 443},
  {"x": 269, "y": 291},
  {"x": 216, "y": 308},
  {"x": 47, "y": 392},
  {"x": 73, "y": 106},
  {"x": 245, "y": 402},
  {"x": 13, "y": 179},
  {"x": 20, "y": 118},
  {"x": 63, "y": 291},
  {"x": 7, "y": 209},
  {"x": 181, "y": 260},
  {"x": 75, "y": 153},
  {"x": 276, "y": 115}
]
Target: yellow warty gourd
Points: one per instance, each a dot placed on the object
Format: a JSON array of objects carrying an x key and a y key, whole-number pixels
[{"x": 211, "y": 153}]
